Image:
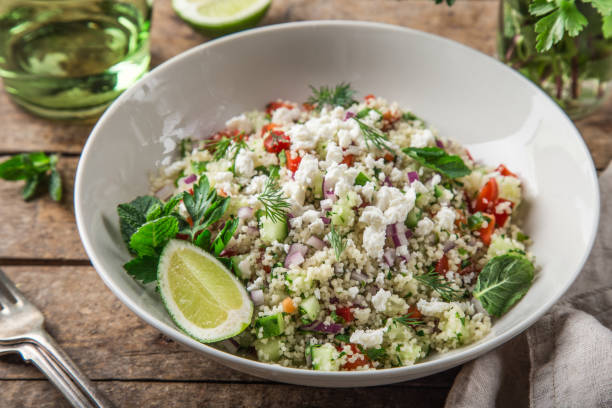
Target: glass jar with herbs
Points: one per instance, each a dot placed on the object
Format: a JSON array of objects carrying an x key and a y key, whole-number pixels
[{"x": 564, "y": 46}]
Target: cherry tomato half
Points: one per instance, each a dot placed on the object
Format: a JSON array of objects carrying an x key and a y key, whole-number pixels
[
  {"x": 503, "y": 170},
  {"x": 293, "y": 160},
  {"x": 442, "y": 265},
  {"x": 487, "y": 196},
  {"x": 345, "y": 313},
  {"x": 272, "y": 106},
  {"x": 486, "y": 232},
  {"x": 276, "y": 141},
  {"x": 359, "y": 361}
]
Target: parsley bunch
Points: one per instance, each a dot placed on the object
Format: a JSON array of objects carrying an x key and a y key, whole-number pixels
[
  {"x": 38, "y": 170},
  {"x": 148, "y": 224}
]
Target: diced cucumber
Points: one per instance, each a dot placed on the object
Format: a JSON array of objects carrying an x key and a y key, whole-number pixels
[
  {"x": 271, "y": 231},
  {"x": 310, "y": 308},
  {"x": 413, "y": 217},
  {"x": 325, "y": 357},
  {"x": 272, "y": 325},
  {"x": 423, "y": 200},
  {"x": 342, "y": 211},
  {"x": 404, "y": 353},
  {"x": 268, "y": 350},
  {"x": 236, "y": 260},
  {"x": 322, "y": 148},
  {"x": 509, "y": 189},
  {"x": 361, "y": 179},
  {"x": 438, "y": 190},
  {"x": 317, "y": 188}
]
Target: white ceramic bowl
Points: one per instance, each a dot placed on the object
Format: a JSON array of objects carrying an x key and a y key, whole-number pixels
[{"x": 465, "y": 94}]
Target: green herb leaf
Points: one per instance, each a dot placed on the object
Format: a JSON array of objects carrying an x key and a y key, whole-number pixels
[
  {"x": 30, "y": 187},
  {"x": 133, "y": 215},
  {"x": 203, "y": 240},
  {"x": 199, "y": 202},
  {"x": 344, "y": 338},
  {"x": 143, "y": 268},
  {"x": 274, "y": 202},
  {"x": 606, "y": 27},
  {"x": 408, "y": 321},
  {"x": 437, "y": 283},
  {"x": 437, "y": 159},
  {"x": 376, "y": 354},
  {"x": 55, "y": 185},
  {"x": 573, "y": 19},
  {"x": 337, "y": 242},
  {"x": 409, "y": 116},
  {"x": 558, "y": 17},
  {"x": 152, "y": 236},
  {"x": 604, "y": 7},
  {"x": 225, "y": 235},
  {"x": 341, "y": 95},
  {"x": 476, "y": 220},
  {"x": 374, "y": 136},
  {"x": 503, "y": 281},
  {"x": 540, "y": 7}
]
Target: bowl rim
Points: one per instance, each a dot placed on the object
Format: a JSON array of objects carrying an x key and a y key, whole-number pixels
[{"x": 387, "y": 375}]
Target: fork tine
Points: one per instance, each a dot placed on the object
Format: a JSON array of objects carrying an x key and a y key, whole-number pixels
[{"x": 9, "y": 294}]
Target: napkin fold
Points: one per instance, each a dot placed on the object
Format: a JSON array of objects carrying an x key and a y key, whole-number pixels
[{"x": 565, "y": 358}]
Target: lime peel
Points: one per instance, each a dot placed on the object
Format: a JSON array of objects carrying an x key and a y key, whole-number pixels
[
  {"x": 218, "y": 17},
  {"x": 203, "y": 298}
]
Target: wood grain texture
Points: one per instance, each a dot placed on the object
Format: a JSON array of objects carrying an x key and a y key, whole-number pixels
[
  {"x": 109, "y": 342},
  {"x": 41, "y": 394}
]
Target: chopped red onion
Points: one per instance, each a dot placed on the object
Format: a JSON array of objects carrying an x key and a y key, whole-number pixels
[
  {"x": 325, "y": 220},
  {"x": 315, "y": 242},
  {"x": 230, "y": 345},
  {"x": 389, "y": 256},
  {"x": 439, "y": 144},
  {"x": 398, "y": 234},
  {"x": 257, "y": 296},
  {"x": 245, "y": 212},
  {"x": 449, "y": 246},
  {"x": 165, "y": 192},
  {"x": 408, "y": 233},
  {"x": 349, "y": 115},
  {"x": 412, "y": 176},
  {"x": 359, "y": 277},
  {"x": 328, "y": 190},
  {"x": 333, "y": 328},
  {"x": 387, "y": 182},
  {"x": 190, "y": 179},
  {"x": 295, "y": 255}
]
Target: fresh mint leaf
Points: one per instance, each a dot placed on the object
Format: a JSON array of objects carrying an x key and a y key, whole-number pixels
[
  {"x": 152, "y": 236},
  {"x": 134, "y": 214},
  {"x": 55, "y": 185},
  {"x": 437, "y": 159},
  {"x": 224, "y": 236},
  {"x": 503, "y": 281},
  {"x": 171, "y": 204},
  {"x": 29, "y": 190},
  {"x": 143, "y": 268}
]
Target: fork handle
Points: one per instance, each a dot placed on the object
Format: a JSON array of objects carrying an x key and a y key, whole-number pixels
[
  {"x": 46, "y": 342},
  {"x": 30, "y": 352}
]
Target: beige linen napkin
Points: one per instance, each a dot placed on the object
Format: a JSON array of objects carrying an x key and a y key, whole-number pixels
[{"x": 565, "y": 358}]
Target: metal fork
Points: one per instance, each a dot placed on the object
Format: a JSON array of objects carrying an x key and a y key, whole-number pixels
[{"x": 21, "y": 326}]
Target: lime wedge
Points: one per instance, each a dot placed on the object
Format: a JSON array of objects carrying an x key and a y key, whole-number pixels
[
  {"x": 218, "y": 17},
  {"x": 203, "y": 298}
]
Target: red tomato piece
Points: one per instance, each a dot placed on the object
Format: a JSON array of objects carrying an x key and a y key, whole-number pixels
[
  {"x": 293, "y": 162},
  {"x": 307, "y": 107},
  {"x": 414, "y": 312},
  {"x": 389, "y": 157},
  {"x": 487, "y": 197},
  {"x": 486, "y": 232},
  {"x": 442, "y": 265},
  {"x": 277, "y": 141},
  {"x": 503, "y": 170},
  {"x": 359, "y": 361},
  {"x": 345, "y": 313},
  {"x": 349, "y": 159},
  {"x": 501, "y": 217},
  {"x": 369, "y": 96},
  {"x": 272, "y": 106}
]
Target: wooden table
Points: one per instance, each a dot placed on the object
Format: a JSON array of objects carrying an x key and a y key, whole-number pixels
[{"x": 129, "y": 360}]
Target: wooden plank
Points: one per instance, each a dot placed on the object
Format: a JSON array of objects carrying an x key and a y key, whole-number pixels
[
  {"x": 109, "y": 342},
  {"x": 193, "y": 394},
  {"x": 41, "y": 228},
  {"x": 596, "y": 131}
]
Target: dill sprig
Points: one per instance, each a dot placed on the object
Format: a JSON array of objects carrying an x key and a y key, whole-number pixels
[
  {"x": 337, "y": 242},
  {"x": 341, "y": 95},
  {"x": 374, "y": 136},
  {"x": 408, "y": 321},
  {"x": 220, "y": 148},
  {"x": 439, "y": 284},
  {"x": 274, "y": 202}
]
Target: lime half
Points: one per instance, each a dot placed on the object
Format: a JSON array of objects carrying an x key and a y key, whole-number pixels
[
  {"x": 218, "y": 17},
  {"x": 203, "y": 298}
]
